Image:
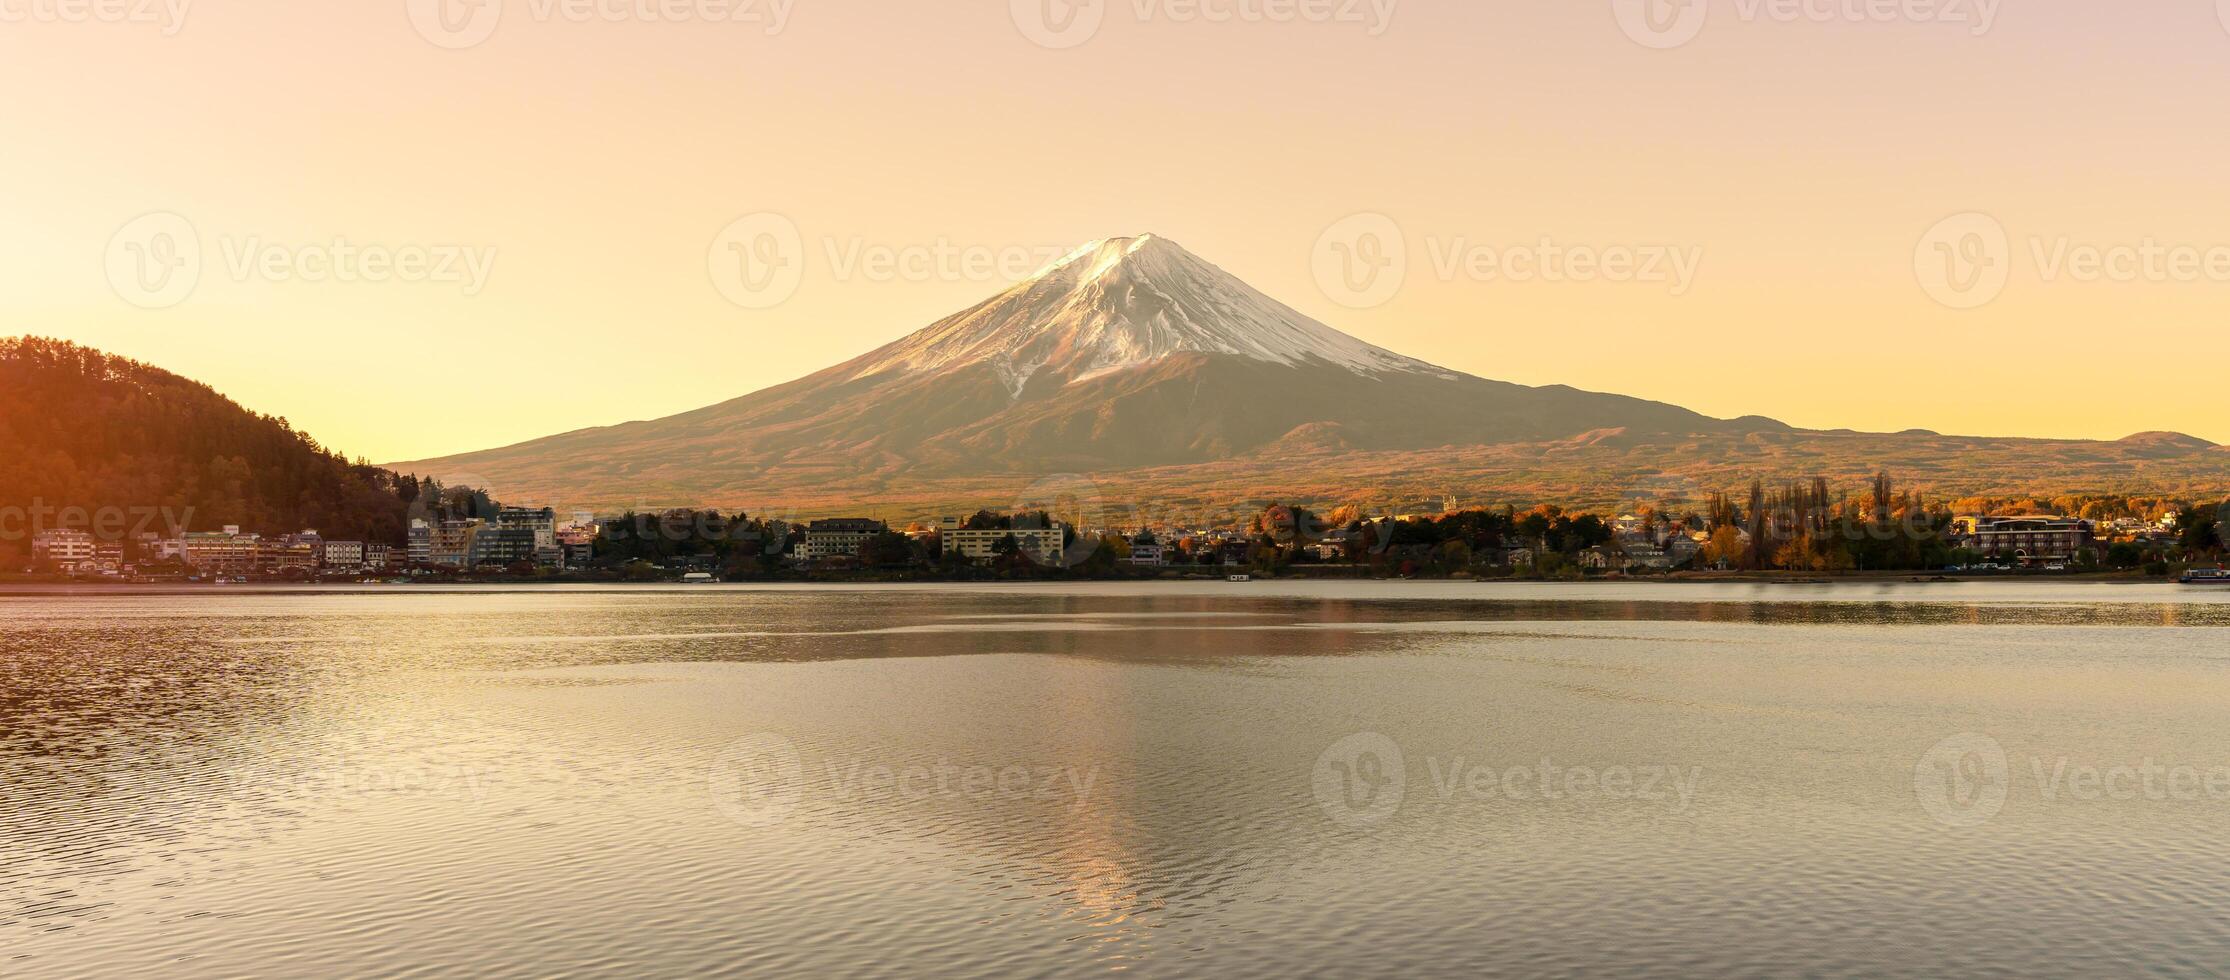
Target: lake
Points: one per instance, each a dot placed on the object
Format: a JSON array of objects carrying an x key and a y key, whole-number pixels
[{"x": 1205, "y": 779}]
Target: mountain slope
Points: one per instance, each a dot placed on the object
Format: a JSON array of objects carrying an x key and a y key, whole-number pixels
[
  {"x": 83, "y": 429},
  {"x": 1156, "y": 374}
]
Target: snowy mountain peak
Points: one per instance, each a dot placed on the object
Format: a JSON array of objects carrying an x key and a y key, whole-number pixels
[
  {"x": 1122, "y": 303},
  {"x": 1094, "y": 259}
]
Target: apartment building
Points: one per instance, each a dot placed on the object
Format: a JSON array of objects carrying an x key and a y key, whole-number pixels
[
  {"x": 226, "y": 552},
  {"x": 839, "y": 538},
  {"x": 499, "y": 545},
  {"x": 2030, "y": 540},
  {"x": 65, "y": 550},
  {"x": 420, "y": 549},
  {"x": 543, "y": 524},
  {"x": 449, "y": 544},
  {"x": 342, "y": 554},
  {"x": 1042, "y": 545}
]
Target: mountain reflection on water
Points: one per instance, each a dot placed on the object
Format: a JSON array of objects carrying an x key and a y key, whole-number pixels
[{"x": 1066, "y": 781}]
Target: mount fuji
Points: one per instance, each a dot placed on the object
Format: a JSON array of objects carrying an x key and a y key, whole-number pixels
[{"x": 1130, "y": 361}]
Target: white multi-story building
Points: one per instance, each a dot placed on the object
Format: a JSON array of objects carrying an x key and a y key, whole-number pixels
[
  {"x": 67, "y": 550},
  {"x": 1042, "y": 545},
  {"x": 342, "y": 554},
  {"x": 841, "y": 538}
]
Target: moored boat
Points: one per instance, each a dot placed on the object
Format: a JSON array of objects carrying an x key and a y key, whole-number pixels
[{"x": 2206, "y": 576}]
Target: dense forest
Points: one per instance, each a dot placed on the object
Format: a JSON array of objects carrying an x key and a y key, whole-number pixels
[{"x": 83, "y": 429}]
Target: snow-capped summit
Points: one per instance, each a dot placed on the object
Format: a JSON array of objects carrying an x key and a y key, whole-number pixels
[{"x": 1121, "y": 303}]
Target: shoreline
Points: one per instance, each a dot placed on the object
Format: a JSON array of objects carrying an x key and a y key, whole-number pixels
[{"x": 1671, "y": 588}]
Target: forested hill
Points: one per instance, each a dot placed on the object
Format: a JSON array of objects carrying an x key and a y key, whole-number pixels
[{"x": 80, "y": 428}]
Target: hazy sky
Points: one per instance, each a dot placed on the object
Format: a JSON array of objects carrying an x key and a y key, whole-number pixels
[{"x": 555, "y": 185}]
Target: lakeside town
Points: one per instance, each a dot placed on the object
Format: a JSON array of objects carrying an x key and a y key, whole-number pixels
[{"x": 1798, "y": 529}]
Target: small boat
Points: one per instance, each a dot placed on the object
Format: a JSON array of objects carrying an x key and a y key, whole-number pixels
[
  {"x": 1242, "y": 578},
  {"x": 2206, "y": 576},
  {"x": 699, "y": 578}
]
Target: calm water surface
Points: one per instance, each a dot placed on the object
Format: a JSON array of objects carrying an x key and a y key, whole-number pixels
[{"x": 1200, "y": 780}]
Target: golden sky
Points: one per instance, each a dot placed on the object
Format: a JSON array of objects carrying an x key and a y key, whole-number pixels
[{"x": 550, "y": 184}]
